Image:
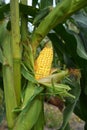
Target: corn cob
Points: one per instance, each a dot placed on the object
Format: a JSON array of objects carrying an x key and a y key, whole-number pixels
[{"x": 44, "y": 61}]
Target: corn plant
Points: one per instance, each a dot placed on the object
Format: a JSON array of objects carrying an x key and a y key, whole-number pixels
[{"x": 27, "y": 58}]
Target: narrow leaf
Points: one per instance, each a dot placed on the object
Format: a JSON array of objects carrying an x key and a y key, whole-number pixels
[
  {"x": 80, "y": 48},
  {"x": 75, "y": 90},
  {"x": 27, "y": 75}
]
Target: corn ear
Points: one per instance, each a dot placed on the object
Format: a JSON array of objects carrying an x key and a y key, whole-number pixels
[
  {"x": 44, "y": 61},
  {"x": 31, "y": 108},
  {"x": 29, "y": 116}
]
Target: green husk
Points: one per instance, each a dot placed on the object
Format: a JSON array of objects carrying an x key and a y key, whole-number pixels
[{"x": 31, "y": 108}]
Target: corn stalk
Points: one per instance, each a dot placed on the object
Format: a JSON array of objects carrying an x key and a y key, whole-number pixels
[
  {"x": 24, "y": 29},
  {"x": 25, "y": 119},
  {"x": 8, "y": 80},
  {"x": 11, "y": 65},
  {"x": 58, "y": 15},
  {"x": 15, "y": 28}
]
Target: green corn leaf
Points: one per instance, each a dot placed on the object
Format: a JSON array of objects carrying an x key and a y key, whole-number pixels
[
  {"x": 28, "y": 57},
  {"x": 27, "y": 75},
  {"x": 37, "y": 91},
  {"x": 71, "y": 103},
  {"x": 67, "y": 127},
  {"x": 3, "y": 25},
  {"x": 80, "y": 48}
]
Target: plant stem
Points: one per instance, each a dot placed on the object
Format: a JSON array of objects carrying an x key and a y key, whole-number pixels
[
  {"x": 10, "y": 98},
  {"x": 15, "y": 26},
  {"x": 28, "y": 58},
  {"x": 60, "y": 13},
  {"x": 24, "y": 28}
]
